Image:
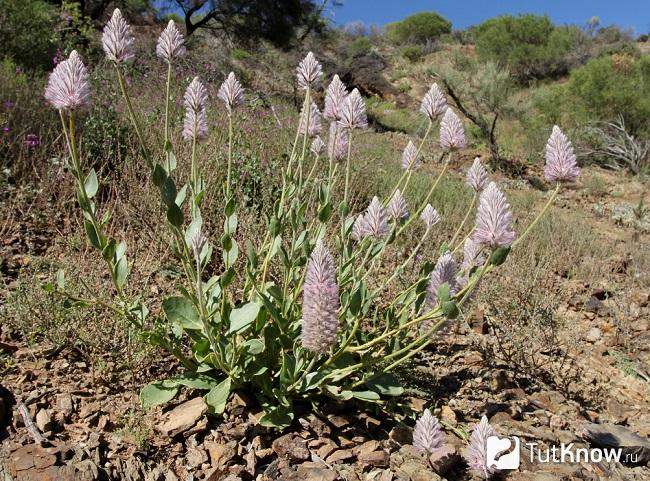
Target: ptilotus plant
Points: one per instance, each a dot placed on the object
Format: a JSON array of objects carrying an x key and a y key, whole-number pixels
[{"x": 305, "y": 313}]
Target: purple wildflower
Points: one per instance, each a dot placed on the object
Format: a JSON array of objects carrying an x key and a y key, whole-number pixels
[
  {"x": 430, "y": 216},
  {"x": 195, "y": 124},
  {"x": 472, "y": 256},
  {"x": 337, "y": 142},
  {"x": 32, "y": 140},
  {"x": 476, "y": 453},
  {"x": 433, "y": 103},
  {"x": 452, "y": 133},
  {"x": 427, "y": 435},
  {"x": 477, "y": 175},
  {"x": 8, "y": 104},
  {"x": 171, "y": 43},
  {"x": 444, "y": 272},
  {"x": 308, "y": 71},
  {"x": 196, "y": 95},
  {"x": 376, "y": 220},
  {"x": 334, "y": 98},
  {"x": 360, "y": 228},
  {"x": 117, "y": 39},
  {"x": 231, "y": 92},
  {"x": 196, "y": 243},
  {"x": 317, "y": 146},
  {"x": 493, "y": 219},
  {"x": 67, "y": 87},
  {"x": 397, "y": 207},
  {"x": 314, "y": 126},
  {"x": 560, "y": 159},
  {"x": 320, "y": 304},
  {"x": 353, "y": 112},
  {"x": 409, "y": 157}
]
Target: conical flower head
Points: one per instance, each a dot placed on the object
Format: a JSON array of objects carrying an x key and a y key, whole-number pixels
[
  {"x": 195, "y": 124},
  {"x": 231, "y": 92},
  {"x": 317, "y": 146},
  {"x": 444, "y": 272},
  {"x": 308, "y": 71},
  {"x": 359, "y": 228},
  {"x": 376, "y": 219},
  {"x": 472, "y": 256},
  {"x": 320, "y": 304},
  {"x": 452, "y": 132},
  {"x": 429, "y": 216},
  {"x": 117, "y": 39},
  {"x": 171, "y": 43},
  {"x": 196, "y": 95},
  {"x": 397, "y": 207},
  {"x": 337, "y": 142},
  {"x": 427, "y": 435},
  {"x": 476, "y": 453},
  {"x": 560, "y": 159},
  {"x": 67, "y": 86},
  {"x": 197, "y": 242},
  {"x": 434, "y": 103},
  {"x": 477, "y": 175},
  {"x": 353, "y": 112},
  {"x": 334, "y": 98},
  {"x": 313, "y": 127},
  {"x": 493, "y": 219},
  {"x": 409, "y": 157}
]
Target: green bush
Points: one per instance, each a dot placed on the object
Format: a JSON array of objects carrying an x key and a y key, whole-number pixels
[
  {"x": 530, "y": 45},
  {"x": 419, "y": 28},
  {"x": 412, "y": 53},
  {"x": 26, "y": 32},
  {"x": 359, "y": 46}
]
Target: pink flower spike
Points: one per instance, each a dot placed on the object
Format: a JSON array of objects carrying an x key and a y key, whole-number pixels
[
  {"x": 477, "y": 175},
  {"x": 452, "y": 132},
  {"x": 430, "y": 216},
  {"x": 493, "y": 219},
  {"x": 171, "y": 43},
  {"x": 67, "y": 86},
  {"x": 231, "y": 92},
  {"x": 353, "y": 112},
  {"x": 360, "y": 228},
  {"x": 476, "y": 453},
  {"x": 117, "y": 39},
  {"x": 334, "y": 98},
  {"x": 561, "y": 163},
  {"x": 317, "y": 146},
  {"x": 427, "y": 435},
  {"x": 409, "y": 160},
  {"x": 397, "y": 207},
  {"x": 376, "y": 220},
  {"x": 337, "y": 142},
  {"x": 196, "y": 95},
  {"x": 433, "y": 103},
  {"x": 314, "y": 121},
  {"x": 444, "y": 272},
  {"x": 195, "y": 124},
  {"x": 320, "y": 323},
  {"x": 308, "y": 71}
]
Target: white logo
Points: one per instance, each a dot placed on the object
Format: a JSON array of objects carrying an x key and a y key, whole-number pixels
[{"x": 502, "y": 453}]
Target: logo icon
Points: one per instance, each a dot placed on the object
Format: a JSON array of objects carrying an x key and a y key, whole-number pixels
[{"x": 502, "y": 453}]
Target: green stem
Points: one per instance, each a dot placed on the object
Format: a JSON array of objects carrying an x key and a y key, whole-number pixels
[
  {"x": 462, "y": 224},
  {"x": 134, "y": 119},
  {"x": 539, "y": 216},
  {"x": 229, "y": 155},
  {"x": 347, "y": 168},
  {"x": 408, "y": 171},
  {"x": 167, "y": 91}
]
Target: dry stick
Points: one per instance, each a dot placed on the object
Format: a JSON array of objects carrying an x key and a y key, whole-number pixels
[{"x": 29, "y": 424}]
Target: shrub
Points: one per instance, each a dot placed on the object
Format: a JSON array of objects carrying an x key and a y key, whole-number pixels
[
  {"x": 304, "y": 313},
  {"x": 530, "y": 45},
  {"x": 359, "y": 46},
  {"x": 412, "y": 53},
  {"x": 419, "y": 28}
]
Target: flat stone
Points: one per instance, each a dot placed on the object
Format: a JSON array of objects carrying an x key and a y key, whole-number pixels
[
  {"x": 340, "y": 455},
  {"x": 444, "y": 459},
  {"x": 43, "y": 420},
  {"x": 633, "y": 446},
  {"x": 220, "y": 454},
  {"x": 183, "y": 417},
  {"x": 367, "y": 447},
  {"x": 292, "y": 447},
  {"x": 195, "y": 457},
  {"x": 380, "y": 458},
  {"x": 593, "y": 335},
  {"x": 416, "y": 471}
]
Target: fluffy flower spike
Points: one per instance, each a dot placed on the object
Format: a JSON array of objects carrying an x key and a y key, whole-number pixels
[
  {"x": 427, "y": 435},
  {"x": 320, "y": 304},
  {"x": 445, "y": 271},
  {"x": 317, "y": 146},
  {"x": 171, "y": 43},
  {"x": 308, "y": 71},
  {"x": 195, "y": 124},
  {"x": 409, "y": 157},
  {"x": 117, "y": 39},
  {"x": 360, "y": 228},
  {"x": 197, "y": 243},
  {"x": 430, "y": 216},
  {"x": 353, "y": 112},
  {"x": 196, "y": 95},
  {"x": 561, "y": 163},
  {"x": 376, "y": 219},
  {"x": 314, "y": 121},
  {"x": 433, "y": 103},
  {"x": 334, "y": 98},
  {"x": 337, "y": 142},
  {"x": 493, "y": 219},
  {"x": 67, "y": 86},
  {"x": 477, "y": 175},
  {"x": 477, "y": 451},
  {"x": 452, "y": 132},
  {"x": 231, "y": 92},
  {"x": 397, "y": 207}
]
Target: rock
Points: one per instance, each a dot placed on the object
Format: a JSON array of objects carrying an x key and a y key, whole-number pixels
[
  {"x": 183, "y": 417},
  {"x": 309, "y": 472},
  {"x": 380, "y": 458},
  {"x": 641, "y": 298},
  {"x": 43, "y": 420},
  {"x": 593, "y": 335},
  {"x": 292, "y": 447},
  {"x": 195, "y": 457},
  {"x": 444, "y": 459},
  {"x": 448, "y": 415},
  {"x": 220, "y": 454},
  {"x": 635, "y": 449},
  {"x": 339, "y": 422},
  {"x": 616, "y": 411},
  {"x": 365, "y": 75},
  {"x": 416, "y": 471},
  {"x": 340, "y": 455},
  {"x": 367, "y": 447},
  {"x": 401, "y": 435},
  {"x": 328, "y": 448}
]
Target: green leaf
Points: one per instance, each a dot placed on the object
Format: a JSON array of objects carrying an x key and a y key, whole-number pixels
[
  {"x": 242, "y": 317},
  {"x": 230, "y": 255},
  {"x": 168, "y": 192},
  {"x": 159, "y": 175},
  {"x": 182, "y": 311},
  {"x": 121, "y": 272},
  {"x": 499, "y": 256},
  {"x": 91, "y": 233},
  {"x": 251, "y": 254},
  {"x": 109, "y": 250},
  {"x": 157, "y": 393},
  {"x": 60, "y": 279},
  {"x": 450, "y": 309},
  {"x": 255, "y": 346},
  {"x": 217, "y": 397},
  {"x": 180, "y": 197},
  {"x": 230, "y": 207},
  {"x": 230, "y": 224},
  {"x": 366, "y": 395},
  {"x": 91, "y": 184},
  {"x": 325, "y": 213},
  {"x": 444, "y": 293},
  {"x": 175, "y": 215},
  {"x": 386, "y": 384},
  {"x": 277, "y": 417}
]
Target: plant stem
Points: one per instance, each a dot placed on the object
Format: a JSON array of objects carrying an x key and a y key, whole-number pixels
[
  {"x": 134, "y": 120},
  {"x": 229, "y": 155},
  {"x": 347, "y": 168},
  {"x": 539, "y": 216},
  {"x": 409, "y": 170},
  {"x": 462, "y": 224},
  {"x": 167, "y": 90}
]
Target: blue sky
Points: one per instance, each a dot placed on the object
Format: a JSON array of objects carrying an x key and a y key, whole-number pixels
[{"x": 634, "y": 14}]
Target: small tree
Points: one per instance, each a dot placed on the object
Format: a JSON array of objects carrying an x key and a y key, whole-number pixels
[{"x": 422, "y": 27}]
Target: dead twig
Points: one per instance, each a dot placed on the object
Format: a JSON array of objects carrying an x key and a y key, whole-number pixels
[{"x": 29, "y": 424}]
